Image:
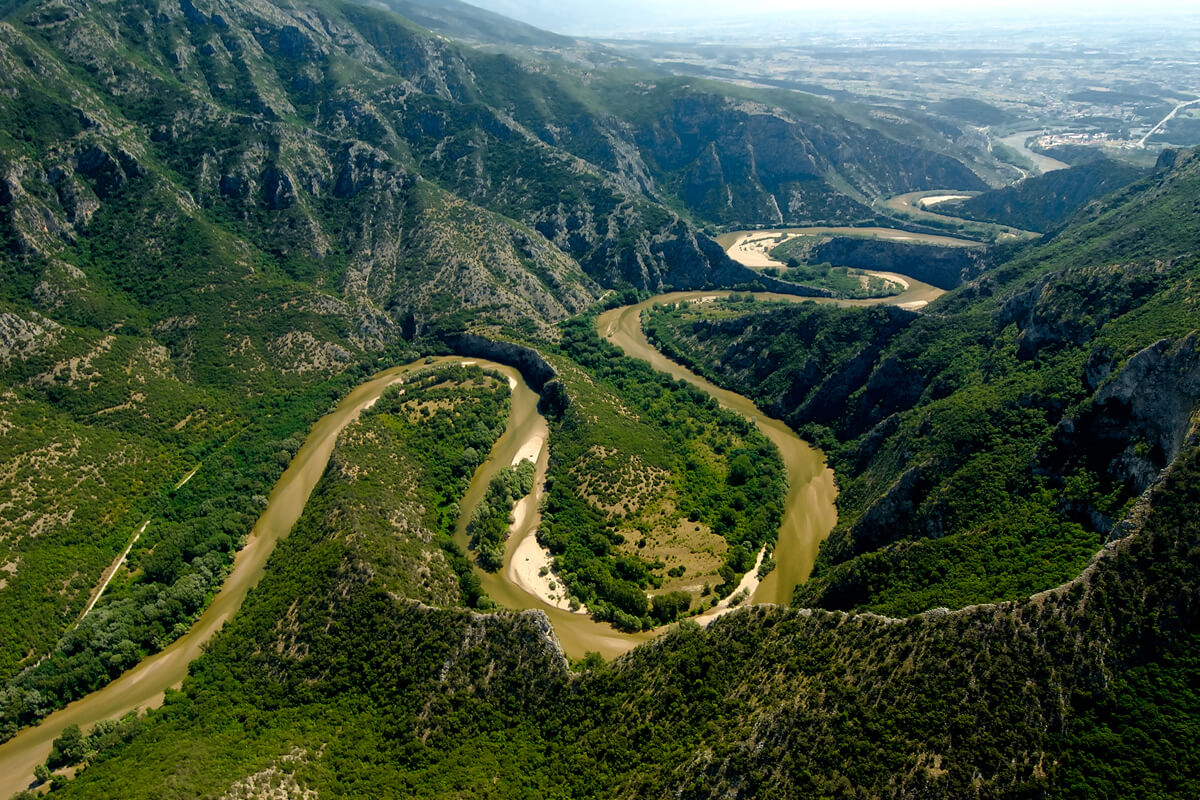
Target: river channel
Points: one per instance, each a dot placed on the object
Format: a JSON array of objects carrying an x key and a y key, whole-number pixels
[
  {"x": 143, "y": 686},
  {"x": 1044, "y": 163},
  {"x": 808, "y": 518}
]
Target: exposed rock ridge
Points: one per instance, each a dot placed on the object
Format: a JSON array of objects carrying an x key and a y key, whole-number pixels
[{"x": 536, "y": 370}]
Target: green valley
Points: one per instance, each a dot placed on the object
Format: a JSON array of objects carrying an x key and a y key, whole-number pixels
[{"x": 399, "y": 400}]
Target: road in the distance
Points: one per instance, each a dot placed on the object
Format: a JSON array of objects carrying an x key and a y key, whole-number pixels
[{"x": 1166, "y": 119}]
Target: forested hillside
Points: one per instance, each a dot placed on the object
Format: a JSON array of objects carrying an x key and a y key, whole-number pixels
[
  {"x": 986, "y": 446},
  {"x": 219, "y": 216},
  {"x": 1046, "y": 693},
  {"x": 1041, "y": 696},
  {"x": 1044, "y": 203}
]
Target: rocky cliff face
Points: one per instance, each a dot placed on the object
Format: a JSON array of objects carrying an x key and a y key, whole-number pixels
[
  {"x": 305, "y": 132},
  {"x": 1069, "y": 306},
  {"x": 1139, "y": 419},
  {"x": 22, "y": 337},
  {"x": 536, "y": 370},
  {"x": 742, "y": 163}
]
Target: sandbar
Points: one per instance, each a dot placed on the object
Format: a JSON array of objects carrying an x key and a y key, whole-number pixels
[
  {"x": 925, "y": 202},
  {"x": 529, "y": 564},
  {"x": 745, "y": 590}
]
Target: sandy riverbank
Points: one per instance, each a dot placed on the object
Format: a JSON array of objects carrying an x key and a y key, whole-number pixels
[
  {"x": 525, "y": 570},
  {"x": 925, "y": 202},
  {"x": 371, "y": 403},
  {"x": 745, "y": 591},
  {"x": 529, "y": 563},
  {"x": 531, "y": 450},
  {"x": 754, "y": 249}
]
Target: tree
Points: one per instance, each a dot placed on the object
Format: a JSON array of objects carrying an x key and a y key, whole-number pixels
[
  {"x": 69, "y": 748},
  {"x": 669, "y": 606},
  {"x": 741, "y": 469}
]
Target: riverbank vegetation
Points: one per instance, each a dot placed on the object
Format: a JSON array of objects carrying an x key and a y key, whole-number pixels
[
  {"x": 396, "y": 479},
  {"x": 940, "y": 505},
  {"x": 329, "y": 684},
  {"x": 492, "y": 518},
  {"x": 188, "y": 534},
  {"x": 650, "y": 486},
  {"x": 389, "y": 498},
  {"x": 844, "y": 282},
  {"x": 328, "y": 681}
]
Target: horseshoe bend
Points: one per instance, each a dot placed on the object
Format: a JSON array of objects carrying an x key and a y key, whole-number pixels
[{"x": 806, "y": 420}]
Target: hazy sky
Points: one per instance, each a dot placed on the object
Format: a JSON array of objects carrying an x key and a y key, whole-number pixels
[{"x": 582, "y": 17}]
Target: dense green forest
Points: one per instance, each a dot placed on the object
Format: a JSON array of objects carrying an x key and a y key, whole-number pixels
[
  {"x": 218, "y": 216},
  {"x": 207, "y": 233},
  {"x": 491, "y": 519},
  {"x": 1087, "y": 691}
]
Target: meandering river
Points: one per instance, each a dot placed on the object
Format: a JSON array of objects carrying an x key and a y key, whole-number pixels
[
  {"x": 809, "y": 514},
  {"x": 808, "y": 518},
  {"x": 143, "y": 686}
]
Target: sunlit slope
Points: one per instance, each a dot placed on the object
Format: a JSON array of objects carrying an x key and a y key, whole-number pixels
[{"x": 986, "y": 446}]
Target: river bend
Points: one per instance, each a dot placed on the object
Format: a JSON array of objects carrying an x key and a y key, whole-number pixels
[{"x": 808, "y": 518}]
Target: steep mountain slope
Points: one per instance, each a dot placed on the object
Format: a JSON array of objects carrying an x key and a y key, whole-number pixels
[
  {"x": 985, "y": 447},
  {"x": 470, "y": 23},
  {"x": 1045, "y": 202},
  {"x": 217, "y": 216}
]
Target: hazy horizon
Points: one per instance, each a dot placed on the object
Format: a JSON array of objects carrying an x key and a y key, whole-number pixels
[{"x": 633, "y": 17}]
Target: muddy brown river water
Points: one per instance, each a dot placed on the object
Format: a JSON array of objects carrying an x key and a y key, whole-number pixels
[{"x": 808, "y": 518}]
